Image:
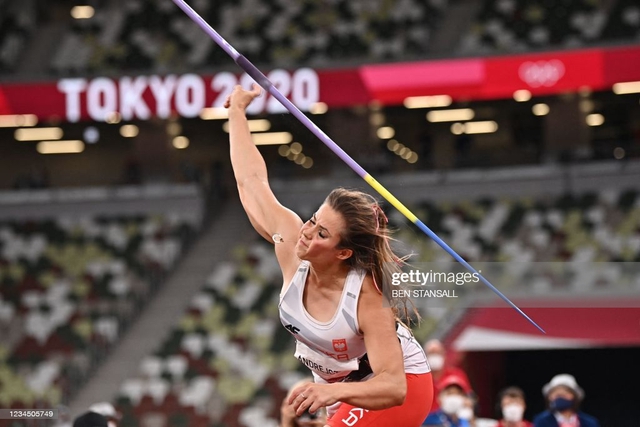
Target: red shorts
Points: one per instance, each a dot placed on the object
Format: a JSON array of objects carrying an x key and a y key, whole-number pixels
[{"x": 411, "y": 413}]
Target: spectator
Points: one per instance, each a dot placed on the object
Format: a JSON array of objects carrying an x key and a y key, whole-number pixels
[
  {"x": 90, "y": 419},
  {"x": 288, "y": 414},
  {"x": 108, "y": 411},
  {"x": 563, "y": 397},
  {"x": 102, "y": 414},
  {"x": 439, "y": 368},
  {"x": 453, "y": 399},
  {"x": 468, "y": 413},
  {"x": 511, "y": 407}
]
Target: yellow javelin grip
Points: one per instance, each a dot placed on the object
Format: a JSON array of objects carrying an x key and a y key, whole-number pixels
[{"x": 390, "y": 198}]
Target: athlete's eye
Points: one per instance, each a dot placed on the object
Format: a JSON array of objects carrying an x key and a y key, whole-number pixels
[{"x": 321, "y": 233}]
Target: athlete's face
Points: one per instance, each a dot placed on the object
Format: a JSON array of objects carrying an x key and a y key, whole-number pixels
[{"x": 320, "y": 236}]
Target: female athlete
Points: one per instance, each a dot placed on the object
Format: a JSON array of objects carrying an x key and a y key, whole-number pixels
[{"x": 367, "y": 367}]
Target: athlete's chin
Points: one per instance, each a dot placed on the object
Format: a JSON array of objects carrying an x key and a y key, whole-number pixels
[{"x": 301, "y": 252}]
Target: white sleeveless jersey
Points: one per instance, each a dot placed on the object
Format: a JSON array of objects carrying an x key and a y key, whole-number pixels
[{"x": 335, "y": 350}]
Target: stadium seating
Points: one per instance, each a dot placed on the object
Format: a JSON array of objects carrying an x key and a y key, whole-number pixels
[
  {"x": 589, "y": 228},
  {"x": 17, "y": 22},
  {"x": 153, "y": 34},
  {"x": 594, "y": 230},
  {"x": 226, "y": 351},
  {"x": 520, "y": 25},
  {"x": 624, "y": 23},
  {"x": 157, "y": 35},
  {"x": 68, "y": 288}
]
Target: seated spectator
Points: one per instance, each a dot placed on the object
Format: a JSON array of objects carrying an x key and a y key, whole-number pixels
[
  {"x": 563, "y": 397},
  {"x": 511, "y": 407},
  {"x": 102, "y": 414},
  {"x": 468, "y": 413},
  {"x": 453, "y": 400},
  {"x": 288, "y": 416},
  {"x": 108, "y": 411},
  {"x": 436, "y": 355},
  {"x": 90, "y": 419}
]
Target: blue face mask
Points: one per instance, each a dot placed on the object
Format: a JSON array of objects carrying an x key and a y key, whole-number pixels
[{"x": 560, "y": 404}]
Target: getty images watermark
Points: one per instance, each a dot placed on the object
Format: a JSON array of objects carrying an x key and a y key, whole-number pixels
[
  {"x": 417, "y": 283},
  {"x": 527, "y": 284}
]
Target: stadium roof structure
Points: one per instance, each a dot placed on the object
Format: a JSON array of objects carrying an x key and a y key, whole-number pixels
[{"x": 579, "y": 326}]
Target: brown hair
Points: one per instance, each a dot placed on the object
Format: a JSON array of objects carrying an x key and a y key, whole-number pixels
[
  {"x": 367, "y": 235},
  {"x": 511, "y": 391}
]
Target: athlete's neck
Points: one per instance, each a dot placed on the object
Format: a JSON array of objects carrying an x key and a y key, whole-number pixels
[{"x": 328, "y": 276}]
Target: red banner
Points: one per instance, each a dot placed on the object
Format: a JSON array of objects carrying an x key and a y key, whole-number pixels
[
  {"x": 143, "y": 97},
  {"x": 621, "y": 65},
  {"x": 543, "y": 74},
  {"x": 392, "y": 83}
]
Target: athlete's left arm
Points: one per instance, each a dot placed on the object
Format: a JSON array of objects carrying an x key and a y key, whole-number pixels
[{"x": 388, "y": 386}]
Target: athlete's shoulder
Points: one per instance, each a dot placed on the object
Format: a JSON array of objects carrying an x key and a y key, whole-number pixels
[{"x": 368, "y": 286}]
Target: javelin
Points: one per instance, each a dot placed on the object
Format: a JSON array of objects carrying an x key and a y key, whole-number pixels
[{"x": 266, "y": 84}]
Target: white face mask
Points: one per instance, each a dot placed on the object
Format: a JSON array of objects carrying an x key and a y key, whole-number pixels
[
  {"x": 436, "y": 361},
  {"x": 513, "y": 412},
  {"x": 452, "y": 404},
  {"x": 465, "y": 413}
]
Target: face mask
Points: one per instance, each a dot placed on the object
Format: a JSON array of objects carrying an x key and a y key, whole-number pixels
[
  {"x": 452, "y": 404},
  {"x": 560, "y": 404},
  {"x": 513, "y": 412},
  {"x": 436, "y": 362},
  {"x": 465, "y": 413}
]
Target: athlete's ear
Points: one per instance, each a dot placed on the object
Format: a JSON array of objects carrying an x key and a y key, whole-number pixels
[{"x": 344, "y": 254}]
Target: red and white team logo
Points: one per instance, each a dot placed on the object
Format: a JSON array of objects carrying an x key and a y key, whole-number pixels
[{"x": 340, "y": 345}]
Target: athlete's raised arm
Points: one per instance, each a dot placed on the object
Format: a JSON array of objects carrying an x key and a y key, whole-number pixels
[{"x": 266, "y": 214}]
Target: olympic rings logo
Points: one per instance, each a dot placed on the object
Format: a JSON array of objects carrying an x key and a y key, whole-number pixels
[{"x": 541, "y": 73}]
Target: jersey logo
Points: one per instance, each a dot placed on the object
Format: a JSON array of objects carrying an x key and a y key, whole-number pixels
[
  {"x": 292, "y": 329},
  {"x": 355, "y": 415},
  {"x": 340, "y": 345}
]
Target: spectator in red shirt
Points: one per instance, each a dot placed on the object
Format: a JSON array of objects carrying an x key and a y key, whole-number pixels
[
  {"x": 511, "y": 408},
  {"x": 436, "y": 356}
]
